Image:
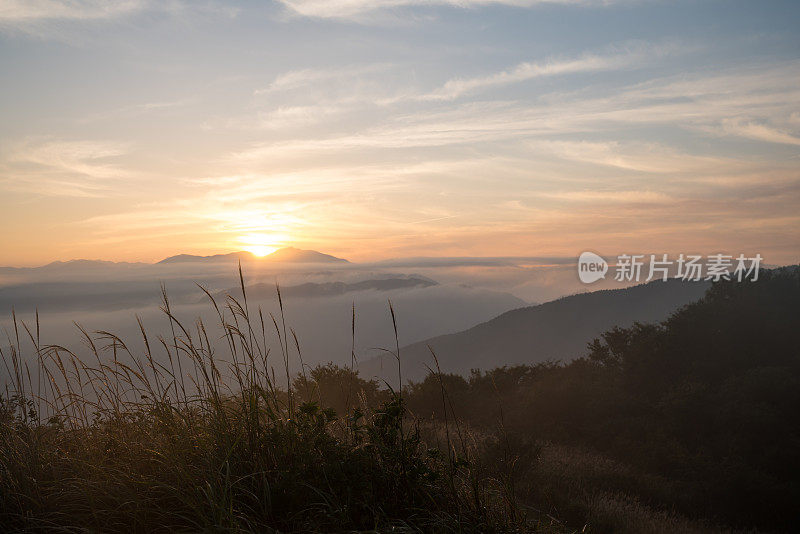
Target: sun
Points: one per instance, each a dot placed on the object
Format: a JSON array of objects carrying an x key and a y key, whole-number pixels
[
  {"x": 260, "y": 250},
  {"x": 261, "y": 244}
]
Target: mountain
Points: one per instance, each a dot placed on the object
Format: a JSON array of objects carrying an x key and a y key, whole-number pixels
[
  {"x": 286, "y": 255},
  {"x": 557, "y": 330},
  {"x": 296, "y": 255},
  {"x": 230, "y": 257},
  {"x": 71, "y": 265}
]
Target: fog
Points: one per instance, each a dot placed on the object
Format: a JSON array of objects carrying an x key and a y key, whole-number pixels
[
  {"x": 430, "y": 296},
  {"x": 109, "y": 297}
]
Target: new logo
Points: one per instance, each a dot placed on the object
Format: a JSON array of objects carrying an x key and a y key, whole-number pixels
[{"x": 591, "y": 267}]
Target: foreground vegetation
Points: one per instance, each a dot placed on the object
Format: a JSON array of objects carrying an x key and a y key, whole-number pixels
[
  {"x": 696, "y": 415},
  {"x": 119, "y": 442},
  {"x": 685, "y": 426}
]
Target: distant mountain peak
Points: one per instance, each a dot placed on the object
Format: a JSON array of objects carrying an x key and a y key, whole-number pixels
[
  {"x": 59, "y": 263},
  {"x": 286, "y": 255},
  {"x": 298, "y": 255},
  {"x": 191, "y": 258}
]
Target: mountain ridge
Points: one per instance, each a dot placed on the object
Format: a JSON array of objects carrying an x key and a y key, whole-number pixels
[
  {"x": 286, "y": 255},
  {"x": 556, "y": 330}
]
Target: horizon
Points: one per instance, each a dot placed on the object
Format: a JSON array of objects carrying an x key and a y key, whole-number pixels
[
  {"x": 374, "y": 130},
  {"x": 545, "y": 260}
]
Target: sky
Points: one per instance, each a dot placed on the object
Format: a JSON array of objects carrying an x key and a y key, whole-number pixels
[{"x": 133, "y": 130}]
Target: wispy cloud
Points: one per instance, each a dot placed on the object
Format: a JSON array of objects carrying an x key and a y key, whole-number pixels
[
  {"x": 623, "y": 57},
  {"x": 636, "y": 156},
  {"x": 66, "y": 20},
  {"x": 343, "y": 9},
  {"x": 293, "y": 116},
  {"x": 283, "y": 119},
  {"x": 623, "y": 130},
  {"x": 136, "y": 110},
  {"x": 15, "y": 11},
  {"x": 302, "y": 78},
  {"x": 758, "y": 131},
  {"x": 88, "y": 158},
  {"x": 62, "y": 168}
]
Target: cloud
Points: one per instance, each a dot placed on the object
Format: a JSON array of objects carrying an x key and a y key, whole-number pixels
[
  {"x": 76, "y": 157},
  {"x": 298, "y": 78},
  {"x": 632, "y": 55},
  {"x": 631, "y": 127},
  {"x": 62, "y": 168},
  {"x": 758, "y": 131},
  {"x": 306, "y": 97},
  {"x": 603, "y": 197},
  {"x": 281, "y": 119},
  {"x": 64, "y": 19},
  {"x": 765, "y": 94},
  {"x": 348, "y": 9},
  {"x": 293, "y": 116},
  {"x": 635, "y": 156},
  {"x": 302, "y": 78},
  {"x": 137, "y": 110},
  {"x": 627, "y": 55},
  {"x": 21, "y": 11},
  {"x": 314, "y": 203}
]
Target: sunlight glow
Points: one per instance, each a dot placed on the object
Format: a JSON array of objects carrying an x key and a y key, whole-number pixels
[
  {"x": 260, "y": 250},
  {"x": 260, "y": 244}
]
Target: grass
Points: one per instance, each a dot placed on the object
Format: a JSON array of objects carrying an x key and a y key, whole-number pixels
[
  {"x": 179, "y": 437},
  {"x": 584, "y": 487},
  {"x": 207, "y": 429}
]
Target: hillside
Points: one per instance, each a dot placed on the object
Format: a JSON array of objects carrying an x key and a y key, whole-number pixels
[
  {"x": 556, "y": 330},
  {"x": 700, "y": 411}
]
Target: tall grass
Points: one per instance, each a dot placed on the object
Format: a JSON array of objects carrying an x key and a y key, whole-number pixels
[{"x": 181, "y": 436}]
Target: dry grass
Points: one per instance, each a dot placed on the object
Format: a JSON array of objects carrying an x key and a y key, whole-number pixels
[
  {"x": 181, "y": 435},
  {"x": 583, "y": 487},
  {"x": 112, "y": 440}
]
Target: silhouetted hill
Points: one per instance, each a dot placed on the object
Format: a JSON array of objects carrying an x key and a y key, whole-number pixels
[
  {"x": 296, "y": 255},
  {"x": 189, "y": 258},
  {"x": 71, "y": 265},
  {"x": 554, "y": 330},
  {"x": 286, "y": 255}
]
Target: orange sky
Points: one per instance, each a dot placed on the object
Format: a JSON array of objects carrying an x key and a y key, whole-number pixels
[{"x": 131, "y": 132}]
